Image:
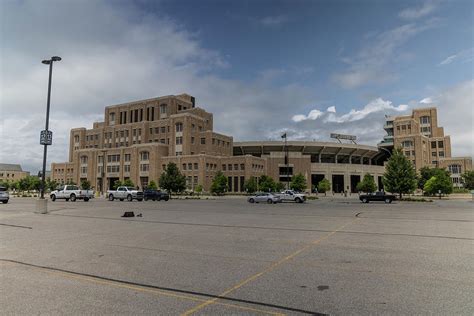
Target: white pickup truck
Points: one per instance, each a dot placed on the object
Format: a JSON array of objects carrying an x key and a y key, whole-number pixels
[
  {"x": 123, "y": 193},
  {"x": 290, "y": 195},
  {"x": 71, "y": 192}
]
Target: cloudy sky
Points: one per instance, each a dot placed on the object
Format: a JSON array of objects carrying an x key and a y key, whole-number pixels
[{"x": 262, "y": 67}]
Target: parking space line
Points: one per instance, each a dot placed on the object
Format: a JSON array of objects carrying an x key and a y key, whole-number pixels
[
  {"x": 266, "y": 270},
  {"x": 140, "y": 289}
]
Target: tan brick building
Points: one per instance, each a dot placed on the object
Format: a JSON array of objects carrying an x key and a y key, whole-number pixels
[
  {"x": 12, "y": 172},
  {"x": 423, "y": 142},
  {"x": 138, "y": 139}
]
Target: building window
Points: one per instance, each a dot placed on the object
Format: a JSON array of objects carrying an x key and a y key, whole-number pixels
[
  {"x": 196, "y": 166},
  {"x": 84, "y": 159},
  {"x": 76, "y": 139},
  {"x": 163, "y": 108},
  {"x": 83, "y": 170},
  {"x": 229, "y": 167},
  {"x": 179, "y": 127},
  {"x": 190, "y": 166},
  {"x": 433, "y": 144},
  {"x": 440, "y": 144},
  {"x": 113, "y": 158},
  {"x": 203, "y": 141},
  {"x": 426, "y": 129},
  {"x": 242, "y": 166},
  {"x": 441, "y": 154},
  {"x": 112, "y": 118},
  {"x": 179, "y": 153},
  {"x": 407, "y": 143},
  {"x": 454, "y": 169},
  {"x": 144, "y": 167},
  {"x": 425, "y": 120},
  {"x": 224, "y": 167},
  {"x": 127, "y": 157},
  {"x": 144, "y": 155},
  {"x": 126, "y": 168},
  {"x": 192, "y": 140},
  {"x": 113, "y": 168},
  {"x": 163, "y": 129},
  {"x": 236, "y": 167},
  {"x": 184, "y": 166},
  {"x": 179, "y": 140},
  {"x": 433, "y": 154}
]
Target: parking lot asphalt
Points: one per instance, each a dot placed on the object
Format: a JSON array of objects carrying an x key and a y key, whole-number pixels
[{"x": 226, "y": 256}]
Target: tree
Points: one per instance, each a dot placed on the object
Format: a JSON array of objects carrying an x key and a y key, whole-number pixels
[
  {"x": 117, "y": 183},
  {"x": 198, "y": 189},
  {"x": 400, "y": 176},
  {"x": 250, "y": 185},
  {"x": 279, "y": 186},
  {"x": 172, "y": 180},
  {"x": 367, "y": 185},
  {"x": 219, "y": 184},
  {"x": 85, "y": 184},
  {"x": 34, "y": 183},
  {"x": 152, "y": 185},
  {"x": 439, "y": 183},
  {"x": 51, "y": 184},
  {"x": 298, "y": 182},
  {"x": 5, "y": 184},
  {"x": 266, "y": 184},
  {"x": 128, "y": 183},
  {"x": 323, "y": 186},
  {"x": 425, "y": 174},
  {"x": 468, "y": 178}
]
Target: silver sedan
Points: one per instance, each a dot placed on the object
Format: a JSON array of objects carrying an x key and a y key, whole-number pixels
[{"x": 264, "y": 197}]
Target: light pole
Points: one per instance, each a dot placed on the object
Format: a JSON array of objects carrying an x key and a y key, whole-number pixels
[{"x": 46, "y": 135}]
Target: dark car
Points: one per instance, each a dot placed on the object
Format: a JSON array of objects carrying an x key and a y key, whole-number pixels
[
  {"x": 155, "y": 195},
  {"x": 377, "y": 196}
]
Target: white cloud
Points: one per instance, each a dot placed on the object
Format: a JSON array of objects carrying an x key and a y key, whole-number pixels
[
  {"x": 426, "y": 101},
  {"x": 372, "y": 63},
  {"x": 418, "y": 12},
  {"x": 312, "y": 115},
  {"x": 331, "y": 109},
  {"x": 463, "y": 56},
  {"x": 114, "y": 54},
  {"x": 271, "y": 21}
]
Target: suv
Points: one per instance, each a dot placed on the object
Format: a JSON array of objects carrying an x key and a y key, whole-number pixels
[
  {"x": 377, "y": 196},
  {"x": 4, "y": 196},
  {"x": 155, "y": 195}
]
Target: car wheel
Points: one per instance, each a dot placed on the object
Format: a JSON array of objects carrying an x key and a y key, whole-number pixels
[
  {"x": 387, "y": 200},
  {"x": 166, "y": 198},
  {"x": 5, "y": 201},
  {"x": 269, "y": 201},
  {"x": 121, "y": 200},
  {"x": 129, "y": 198},
  {"x": 252, "y": 201},
  {"x": 86, "y": 199},
  {"x": 364, "y": 200},
  {"x": 111, "y": 197},
  {"x": 139, "y": 200},
  {"x": 298, "y": 200},
  {"x": 73, "y": 198},
  {"x": 53, "y": 197}
]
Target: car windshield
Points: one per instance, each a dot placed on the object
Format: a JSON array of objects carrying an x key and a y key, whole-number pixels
[
  {"x": 3, "y": 189},
  {"x": 130, "y": 188}
]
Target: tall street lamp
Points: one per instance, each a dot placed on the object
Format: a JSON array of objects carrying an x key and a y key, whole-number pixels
[{"x": 46, "y": 135}]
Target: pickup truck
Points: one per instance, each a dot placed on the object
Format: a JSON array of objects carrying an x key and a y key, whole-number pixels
[
  {"x": 123, "y": 193},
  {"x": 290, "y": 195},
  {"x": 377, "y": 196},
  {"x": 71, "y": 192},
  {"x": 155, "y": 195}
]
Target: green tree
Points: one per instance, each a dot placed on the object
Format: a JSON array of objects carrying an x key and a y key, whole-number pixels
[
  {"x": 198, "y": 189},
  {"x": 172, "y": 180},
  {"x": 440, "y": 182},
  {"x": 24, "y": 184},
  {"x": 279, "y": 186},
  {"x": 51, "y": 184},
  {"x": 468, "y": 178},
  {"x": 298, "y": 182},
  {"x": 250, "y": 185},
  {"x": 266, "y": 184},
  {"x": 367, "y": 185},
  {"x": 70, "y": 182},
  {"x": 152, "y": 185},
  {"x": 425, "y": 174},
  {"x": 85, "y": 184},
  {"x": 219, "y": 184},
  {"x": 128, "y": 183},
  {"x": 34, "y": 183},
  {"x": 117, "y": 183},
  {"x": 324, "y": 185},
  {"x": 400, "y": 176},
  {"x": 5, "y": 184}
]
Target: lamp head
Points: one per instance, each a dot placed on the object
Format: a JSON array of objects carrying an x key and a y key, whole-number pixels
[
  {"x": 56, "y": 58},
  {"x": 46, "y": 62}
]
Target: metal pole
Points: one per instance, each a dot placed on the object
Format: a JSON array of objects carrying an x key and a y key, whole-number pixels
[
  {"x": 287, "y": 158},
  {"x": 43, "y": 184}
]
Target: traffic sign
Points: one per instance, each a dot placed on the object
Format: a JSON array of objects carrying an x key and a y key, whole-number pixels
[{"x": 46, "y": 137}]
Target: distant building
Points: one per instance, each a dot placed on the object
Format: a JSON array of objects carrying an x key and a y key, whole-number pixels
[
  {"x": 423, "y": 142},
  {"x": 138, "y": 139},
  {"x": 12, "y": 172}
]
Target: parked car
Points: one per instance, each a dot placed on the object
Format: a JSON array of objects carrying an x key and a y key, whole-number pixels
[
  {"x": 377, "y": 196},
  {"x": 123, "y": 193},
  {"x": 155, "y": 195},
  {"x": 71, "y": 192},
  {"x": 264, "y": 197},
  {"x": 4, "y": 196},
  {"x": 290, "y": 195}
]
